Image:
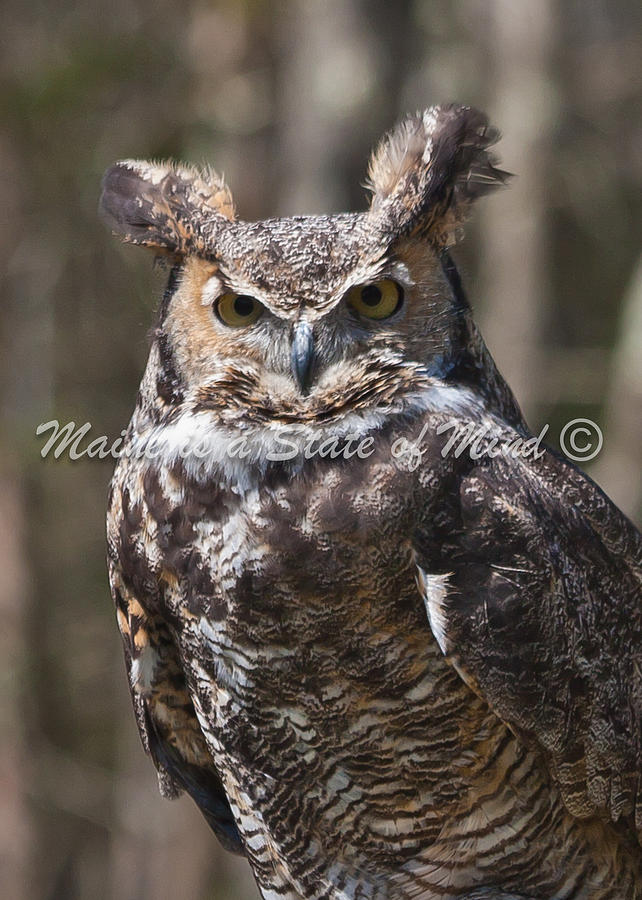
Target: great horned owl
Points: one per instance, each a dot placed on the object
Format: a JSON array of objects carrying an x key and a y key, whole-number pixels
[{"x": 379, "y": 674}]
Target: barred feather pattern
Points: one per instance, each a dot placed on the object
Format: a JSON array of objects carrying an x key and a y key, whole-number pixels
[{"x": 357, "y": 763}]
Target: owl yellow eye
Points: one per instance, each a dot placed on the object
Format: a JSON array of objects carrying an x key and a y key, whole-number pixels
[
  {"x": 238, "y": 310},
  {"x": 378, "y": 300}
]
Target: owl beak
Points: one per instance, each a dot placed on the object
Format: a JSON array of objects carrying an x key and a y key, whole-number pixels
[{"x": 302, "y": 355}]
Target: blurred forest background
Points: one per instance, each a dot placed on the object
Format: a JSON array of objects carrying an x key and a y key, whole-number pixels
[{"x": 286, "y": 99}]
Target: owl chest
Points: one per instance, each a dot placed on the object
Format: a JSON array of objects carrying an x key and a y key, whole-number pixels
[
  {"x": 294, "y": 574},
  {"x": 311, "y": 627}
]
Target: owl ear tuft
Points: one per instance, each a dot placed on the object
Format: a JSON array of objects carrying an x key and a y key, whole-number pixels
[
  {"x": 173, "y": 209},
  {"x": 428, "y": 171}
]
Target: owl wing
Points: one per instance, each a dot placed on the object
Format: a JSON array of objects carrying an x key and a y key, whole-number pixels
[
  {"x": 166, "y": 718},
  {"x": 535, "y": 596}
]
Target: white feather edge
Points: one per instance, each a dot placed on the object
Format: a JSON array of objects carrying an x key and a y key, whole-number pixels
[
  {"x": 168, "y": 442},
  {"x": 434, "y": 590},
  {"x": 142, "y": 670}
]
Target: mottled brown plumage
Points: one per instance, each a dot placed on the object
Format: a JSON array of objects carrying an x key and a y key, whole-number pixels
[{"x": 380, "y": 674}]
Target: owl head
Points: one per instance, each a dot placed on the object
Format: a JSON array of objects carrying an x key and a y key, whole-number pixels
[{"x": 312, "y": 319}]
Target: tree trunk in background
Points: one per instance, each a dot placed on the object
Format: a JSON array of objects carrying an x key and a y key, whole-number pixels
[
  {"x": 324, "y": 80},
  {"x": 512, "y": 244},
  {"x": 619, "y": 466},
  {"x": 21, "y": 388},
  {"x": 16, "y": 835}
]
